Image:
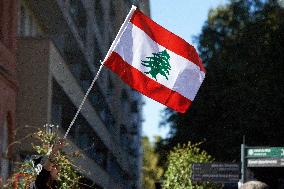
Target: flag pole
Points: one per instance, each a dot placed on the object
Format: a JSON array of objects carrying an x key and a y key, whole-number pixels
[{"x": 114, "y": 43}]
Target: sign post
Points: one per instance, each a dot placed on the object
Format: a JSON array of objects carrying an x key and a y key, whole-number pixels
[
  {"x": 243, "y": 164},
  {"x": 243, "y": 161}
]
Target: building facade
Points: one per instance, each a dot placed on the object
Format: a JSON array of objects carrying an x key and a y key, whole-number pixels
[
  {"x": 8, "y": 83},
  {"x": 60, "y": 45}
]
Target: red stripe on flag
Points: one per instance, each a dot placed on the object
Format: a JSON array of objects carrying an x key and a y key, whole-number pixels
[
  {"x": 142, "y": 83},
  {"x": 166, "y": 38}
]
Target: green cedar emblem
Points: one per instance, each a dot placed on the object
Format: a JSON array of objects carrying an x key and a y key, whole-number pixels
[{"x": 158, "y": 64}]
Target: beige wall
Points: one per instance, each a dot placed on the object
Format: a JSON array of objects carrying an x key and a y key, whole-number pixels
[{"x": 33, "y": 100}]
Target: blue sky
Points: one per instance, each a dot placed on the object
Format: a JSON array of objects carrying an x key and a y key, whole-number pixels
[{"x": 184, "y": 18}]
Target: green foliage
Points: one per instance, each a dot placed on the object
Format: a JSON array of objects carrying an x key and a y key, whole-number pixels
[
  {"x": 159, "y": 64},
  {"x": 68, "y": 177},
  {"x": 151, "y": 171},
  {"x": 242, "y": 46},
  {"x": 178, "y": 172}
]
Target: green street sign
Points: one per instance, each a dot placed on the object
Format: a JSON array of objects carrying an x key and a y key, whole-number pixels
[{"x": 265, "y": 152}]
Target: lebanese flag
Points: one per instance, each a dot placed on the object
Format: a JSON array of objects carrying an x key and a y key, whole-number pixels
[{"x": 156, "y": 62}]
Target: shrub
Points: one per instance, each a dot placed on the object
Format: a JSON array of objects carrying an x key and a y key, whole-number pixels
[{"x": 178, "y": 172}]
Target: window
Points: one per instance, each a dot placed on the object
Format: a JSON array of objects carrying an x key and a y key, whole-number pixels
[
  {"x": 84, "y": 182},
  {"x": 124, "y": 101},
  {"x": 97, "y": 53},
  {"x": 85, "y": 78},
  {"x": 134, "y": 107},
  {"x": 91, "y": 144},
  {"x": 110, "y": 121},
  {"x": 99, "y": 14},
  {"x": 110, "y": 88},
  {"x": 78, "y": 14},
  {"x": 124, "y": 140},
  {"x": 1, "y": 20},
  {"x": 114, "y": 169},
  {"x": 27, "y": 24},
  {"x": 21, "y": 29},
  {"x": 3, "y": 147},
  {"x": 112, "y": 16}
]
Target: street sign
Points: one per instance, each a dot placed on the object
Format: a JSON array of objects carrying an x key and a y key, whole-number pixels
[
  {"x": 263, "y": 152},
  {"x": 215, "y": 172},
  {"x": 257, "y": 156},
  {"x": 265, "y": 162}
]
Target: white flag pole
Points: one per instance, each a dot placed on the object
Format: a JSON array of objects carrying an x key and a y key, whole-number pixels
[{"x": 114, "y": 43}]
